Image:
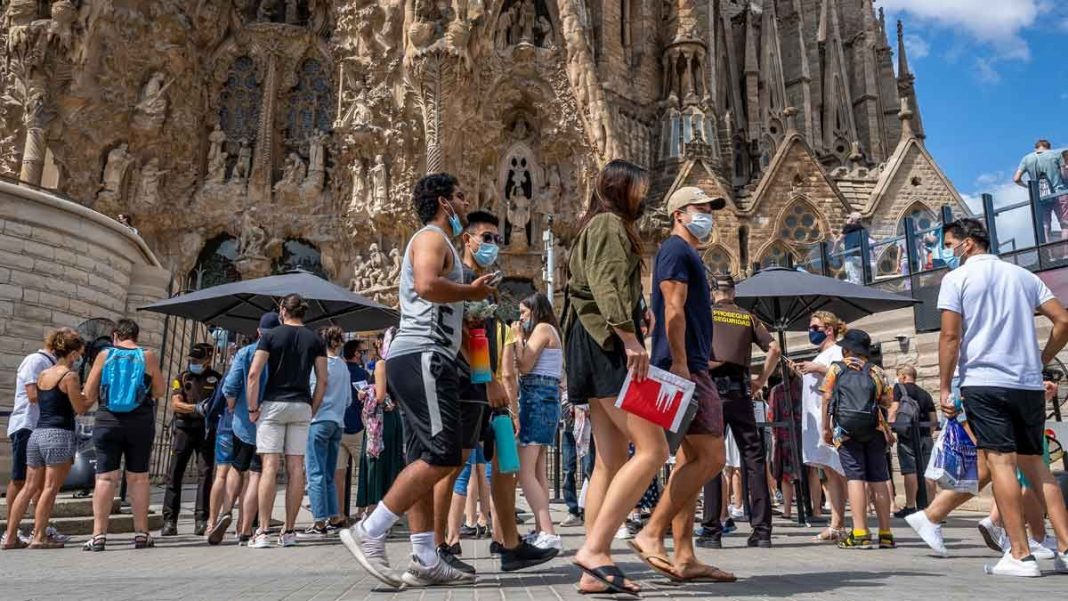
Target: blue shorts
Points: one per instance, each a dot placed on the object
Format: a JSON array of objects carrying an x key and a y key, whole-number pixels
[
  {"x": 462, "y": 481},
  {"x": 539, "y": 410},
  {"x": 865, "y": 461},
  {"x": 224, "y": 448}
]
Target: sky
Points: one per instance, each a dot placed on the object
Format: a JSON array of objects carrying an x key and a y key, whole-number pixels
[{"x": 991, "y": 78}]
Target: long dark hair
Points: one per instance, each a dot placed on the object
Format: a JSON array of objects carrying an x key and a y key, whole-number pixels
[
  {"x": 620, "y": 188},
  {"x": 541, "y": 310}
]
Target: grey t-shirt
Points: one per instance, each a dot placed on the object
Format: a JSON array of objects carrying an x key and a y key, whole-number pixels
[{"x": 427, "y": 326}]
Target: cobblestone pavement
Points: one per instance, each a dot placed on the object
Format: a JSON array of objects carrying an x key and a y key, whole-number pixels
[{"x": 186, "y": 568}]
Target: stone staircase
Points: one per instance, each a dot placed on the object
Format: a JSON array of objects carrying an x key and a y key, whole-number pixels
[{"x": 74, "y": 516}]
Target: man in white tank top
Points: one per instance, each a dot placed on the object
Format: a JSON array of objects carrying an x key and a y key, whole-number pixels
[{"x": 423, "y": 378}]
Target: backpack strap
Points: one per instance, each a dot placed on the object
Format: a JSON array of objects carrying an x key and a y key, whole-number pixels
[{"x": 47, "y": 356}]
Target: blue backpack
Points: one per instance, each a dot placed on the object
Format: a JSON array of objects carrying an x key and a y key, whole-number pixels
[{"x": 122, "y": 381}]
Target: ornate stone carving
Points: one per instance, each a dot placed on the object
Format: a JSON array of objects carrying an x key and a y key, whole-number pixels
[
  {"x": 149, "y": 184},
  {"x": 151, "y": 109},
  {"x": 217, "y": 156},
  {"x": 243, "y": 166},
  {"x": 253, "y": 238},
  {"x": 116, "y": 174},
  {"x": 380, "y": 181}
]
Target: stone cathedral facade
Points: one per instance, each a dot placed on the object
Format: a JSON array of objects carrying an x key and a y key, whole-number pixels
[{"x": 245, "y": 137}]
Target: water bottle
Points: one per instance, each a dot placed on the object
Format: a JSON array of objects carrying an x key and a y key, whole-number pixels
[
  {"x": 478, "y": 350},
  {"x": 506, "y": 448}
]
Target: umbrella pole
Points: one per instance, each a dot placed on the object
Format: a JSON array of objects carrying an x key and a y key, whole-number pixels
[{"x": 801, "y": 485}]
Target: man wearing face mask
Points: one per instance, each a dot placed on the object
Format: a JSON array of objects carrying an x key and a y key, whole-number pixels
[
  {"x": 682, "y": 343},
  {"x": 424, "y": 378},
  {"x": 732, "y": 351},
  {"x": 195, "y": 384}
]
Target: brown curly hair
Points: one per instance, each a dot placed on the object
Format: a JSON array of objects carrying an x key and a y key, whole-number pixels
[
  {"x": 332, "y": 336},
  {"x": 63, "y": 342}
]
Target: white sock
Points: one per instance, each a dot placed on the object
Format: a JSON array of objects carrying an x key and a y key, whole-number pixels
[
  {"x": 380, "y": 521},
  {"x": 423, "y": 549}
]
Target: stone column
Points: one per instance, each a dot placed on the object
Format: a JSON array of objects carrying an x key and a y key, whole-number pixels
[
  {"x": 263, "y": 153},
  {"x": 425, "y": 78}
]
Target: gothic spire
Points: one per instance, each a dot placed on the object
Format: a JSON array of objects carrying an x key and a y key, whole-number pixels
[
  {"x": 906, "y": 86},
  {"x": 902, "y": 58}
]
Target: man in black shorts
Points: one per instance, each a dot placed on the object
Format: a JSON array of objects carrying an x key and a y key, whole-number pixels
[
  {"x": 246, "y": 462},
  {"x": 423, "y": 376},
  {"x": 125, "y": 434}
]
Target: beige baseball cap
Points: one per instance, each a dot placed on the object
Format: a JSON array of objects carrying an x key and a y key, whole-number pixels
[{"x": 691, "y": 195}]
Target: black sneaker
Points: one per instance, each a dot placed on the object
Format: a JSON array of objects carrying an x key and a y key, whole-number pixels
[
  {"x": 169, "y": 529},
  {"x": 496, "y": 548},
  {"x": 525, "y": 555},
  {"x": 445, "y": 554},
  {"x": 456, "y": 550},
  {"x": 201, "y": 527},
  {"x": 316, "y": 529},
  {"x": 760, "y": 542},
  {"x": 242, "y": 540},
  {"x": 711, "y": 541},
  {"x": 904, "y": 513}
]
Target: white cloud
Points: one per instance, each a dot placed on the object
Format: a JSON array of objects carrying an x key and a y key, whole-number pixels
[
  {"x": 916, "y": 46},
  {"x": 985, "y": 71},
  {"x": 997, "y": 22}
]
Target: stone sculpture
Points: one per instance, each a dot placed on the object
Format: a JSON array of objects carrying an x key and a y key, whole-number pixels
[
  {"x": 217, "y": 156},
  {"x": 244, "y": 163},
  {"x": 115, "y": 171},
  {"x": 151, "y": 109},
  {"x": 518, "y": 218},
  {"x": 380, "y": 179},
  {"x": 253, "y": 238},
  {"x": 149, "y": 185}
]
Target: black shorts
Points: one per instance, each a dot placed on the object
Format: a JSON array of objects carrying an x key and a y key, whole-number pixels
[
  {"x": 124, "y": 435},
  {"x": 245, "y": 457},
  {"x": 1005, "y": 420},
  {"x": 865, "y": 461},
  {"x": 907, "y": 456},
  {"x": 19, "y": 440},
  {"x": 593, "y": 372},
  {"x": 426, "y": 386},
  {"x": 472, "y": 418}
]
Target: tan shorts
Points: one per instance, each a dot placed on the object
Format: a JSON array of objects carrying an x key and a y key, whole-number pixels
[
  {"x": 283, "y": 428},
  {"x": 350, "y": 447}
]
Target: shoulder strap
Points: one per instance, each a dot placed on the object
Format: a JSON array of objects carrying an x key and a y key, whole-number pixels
[{"x": 47, "y": 356}]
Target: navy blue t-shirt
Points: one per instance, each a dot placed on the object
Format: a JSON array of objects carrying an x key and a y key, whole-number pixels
[{"x": 678, "y": 261}]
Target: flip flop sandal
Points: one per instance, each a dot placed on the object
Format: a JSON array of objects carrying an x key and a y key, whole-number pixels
[
  {"x": 143, "y": 540},
  {"x": 710, "y": 574},
  {"x": 665, "y": 567},
  {"x": 46, "y": 544},
  {"x": 610, "y": 575}
]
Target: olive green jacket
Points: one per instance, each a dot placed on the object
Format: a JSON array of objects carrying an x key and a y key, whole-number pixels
[{"x": 605, "y": 287}]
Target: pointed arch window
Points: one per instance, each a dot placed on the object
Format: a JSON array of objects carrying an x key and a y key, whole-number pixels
[
  {"x": 800, "y": 224},
  {"x": 300, "y": 254},
  {"x": 216, "y": 264},
  {"x": 239, "y": 115},
  {"x": 777, "y": 255},
  {"x": 312, "y": 103},
  {"x": 718, "y": 260},
  {"x": 923, "y": 219}
]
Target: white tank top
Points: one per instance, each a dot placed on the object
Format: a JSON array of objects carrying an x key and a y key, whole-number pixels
[
  {"x": 550, "y": 362},
  {"x": 427, "y": 326}
]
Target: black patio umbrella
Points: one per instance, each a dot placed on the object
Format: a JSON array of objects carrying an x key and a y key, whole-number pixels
[
  {"x": 237, "y": 306},
  {"x": 785, "y": 300}
]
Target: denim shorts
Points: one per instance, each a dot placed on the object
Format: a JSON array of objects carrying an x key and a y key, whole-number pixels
[
  {"x": 475, "y": 460},
  {"x": 224, "y": 448},
  {"x": 539, "y": 410}
]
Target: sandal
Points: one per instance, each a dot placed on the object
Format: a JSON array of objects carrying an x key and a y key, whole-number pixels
[
  {"x": 143, "y": 540},
  {"x": 658, "y": 563},
  {"x": 15, "y": 543},
  {"x": 613, "y": 579},
  {"x": 706, "y": 573},
  {"x": 96, "y": 543},
  {"x": 46, "y": 544},
  {"x": 829, "y": 535}
]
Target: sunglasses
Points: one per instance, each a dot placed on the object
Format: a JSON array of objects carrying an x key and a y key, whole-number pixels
[
  {"x": 815, "y": 328},
  {"x": 491, "y": 238}
]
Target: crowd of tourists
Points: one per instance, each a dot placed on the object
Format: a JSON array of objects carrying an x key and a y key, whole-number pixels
[{"x": 460, "y": 408}]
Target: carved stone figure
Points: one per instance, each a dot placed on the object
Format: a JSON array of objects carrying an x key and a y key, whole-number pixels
[
  {"x": 292, "y": 12},
  {"x": 64, "y": 14},
  {"x": 395, "y": 266},
  {"x": 358, "y": 202},
  {"x": 268, "y": 10},
  {"x": 244, "y": 163},
  {"x": 504, "y": 29},
  {"x": 380, "y": 181},
  {"x": 293, "y": 173},
  {"x": 151, "y": 108},
  {"x": 525, "y": 25},
  {"x": 545, "y": 28},
  {"x": 253, "y": 238},
  {"x": 315, "y": 151},
  {"x": 148, "y": 187},
  {"x": 115, "y": 171},
  {"x": 518, "y": 218},
  {"x": 217, "y": 156}
]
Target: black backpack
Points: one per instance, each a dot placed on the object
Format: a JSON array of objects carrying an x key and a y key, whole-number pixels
[
  {"x": 908, "y": 412},
  {"x": 854, "y": 404}
]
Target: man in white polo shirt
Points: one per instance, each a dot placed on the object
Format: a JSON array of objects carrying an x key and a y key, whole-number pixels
[{"x": 988, "y": 338}]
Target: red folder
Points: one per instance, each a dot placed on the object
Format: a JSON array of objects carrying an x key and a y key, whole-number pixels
[{"x": 662, "y": 398}]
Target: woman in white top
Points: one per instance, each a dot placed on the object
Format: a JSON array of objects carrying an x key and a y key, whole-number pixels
[
  {"x": 824, "y": 331},
  {"x": 540, "y": 358}
]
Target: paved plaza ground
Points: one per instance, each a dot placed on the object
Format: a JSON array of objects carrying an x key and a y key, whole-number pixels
[{"x": 185, "y": 568}]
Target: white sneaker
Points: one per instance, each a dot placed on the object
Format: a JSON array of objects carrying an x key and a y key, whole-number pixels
[
  {"x": 440, "y": 574},
  {"x": 549, "y": 541},
  {"x": 260, "y": 541},
  {"x": 1010, "y": 566},
  {"x": 930, "y": 532},
  {"x": 736, "y": 512},
  {"x": 571, "y": 520},
  {"x": 1040, "y": 550},
  {"x": 992, "y": 534},
  {"x": 624, "y": 533},
  {"x": 287, "y": 539},
  {"x": 370, "y": 553}
]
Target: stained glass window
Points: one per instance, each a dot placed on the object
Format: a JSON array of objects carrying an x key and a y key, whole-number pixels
[
  {"x": 799, "y": 224},
  {"x": 239, "y": 114},
  {"x": 776, "y": 256},
  {"x": 718, "y": 260},
  {"x": 311, "y": 103},
  {"x": 300, "y": 254},
  {"x": 922, "y": 217},
  {"x": 216, "y": 263}
]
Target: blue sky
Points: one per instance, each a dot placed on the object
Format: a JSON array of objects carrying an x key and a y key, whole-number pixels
[{"x": 992, "y": 77}]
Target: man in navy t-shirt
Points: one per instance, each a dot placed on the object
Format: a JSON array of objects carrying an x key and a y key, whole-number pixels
[{"x": 682, "y": 344}]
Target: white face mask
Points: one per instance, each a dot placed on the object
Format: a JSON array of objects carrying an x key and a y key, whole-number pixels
[{"x": 700, "y": 225}]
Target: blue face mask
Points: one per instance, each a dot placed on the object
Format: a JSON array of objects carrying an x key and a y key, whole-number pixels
[
  {"x": 196, "y": 368},
  {"x": 456, "y": 225},
  {"x": 528, "y": 326},
  {"x": 954, "y": 261},
  {"x": 486, "y": 254},
  {"x": 700, "y": 225},
  {"x": 817, "y": 337}
]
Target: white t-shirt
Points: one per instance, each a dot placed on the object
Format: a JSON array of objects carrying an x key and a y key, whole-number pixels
[
  {"x": 997, "y": 301},
  {"x": 24, "y": 414}
]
